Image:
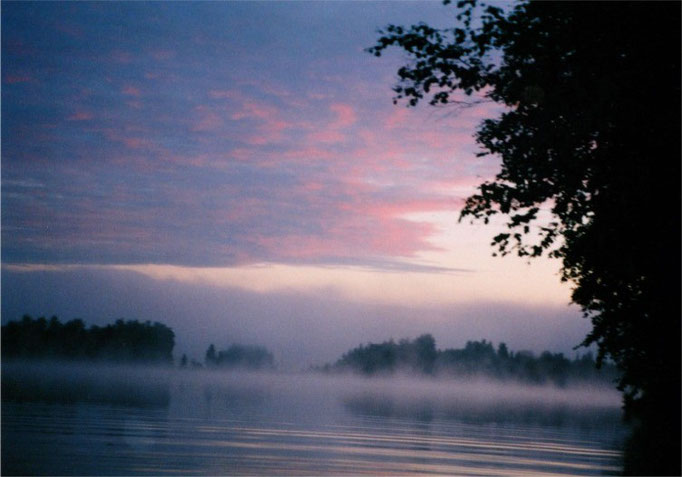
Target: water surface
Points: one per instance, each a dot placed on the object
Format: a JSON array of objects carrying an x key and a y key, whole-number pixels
[{"x": 119, "y": 421}]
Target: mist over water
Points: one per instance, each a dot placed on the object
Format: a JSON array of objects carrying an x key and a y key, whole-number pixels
[
  {"x": 98, "y": 419},
  {"x": 301, "y": 329}
]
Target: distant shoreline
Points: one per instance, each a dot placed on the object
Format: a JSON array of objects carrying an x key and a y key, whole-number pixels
[{"x": 131, "y": 343}]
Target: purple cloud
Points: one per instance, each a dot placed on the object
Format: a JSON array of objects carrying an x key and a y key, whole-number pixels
[{"x": 194, "y": 134}]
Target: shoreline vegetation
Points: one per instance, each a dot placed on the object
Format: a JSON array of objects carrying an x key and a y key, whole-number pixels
[
  {"x": 133, "y": 342},
  {"x": 477, "y": 359},
  {"x": 122, "y": 341}
]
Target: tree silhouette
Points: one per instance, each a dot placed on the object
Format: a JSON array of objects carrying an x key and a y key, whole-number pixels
[
  {"x": 385, "y": 358},
  {"x": 211, "y": 356},
  {"x": 590, "y": 129},
  {"x": 125, "y": 341},
  {"x": 240, "y": 356},
  {"x": 477, "y": 358}
]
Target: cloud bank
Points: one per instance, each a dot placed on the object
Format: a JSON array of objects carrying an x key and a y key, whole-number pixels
[{"x": 161, "y": 139}]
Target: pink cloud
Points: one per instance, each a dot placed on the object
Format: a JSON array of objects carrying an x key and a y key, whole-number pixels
[
  {"x": 397, "y": 118},
  {"x": 253, "y": 110},
  {"x": 313, "y": 186},
  {"x": 302, "y": 246},
  {"x": 209, "y": 121},
  {"x": 355, "y": 221},
  {"x": 317, "y": 96},
  {"x": 382, "y": 153},
  {"x": 327, "y": 136},
  {"x": 223, "y": 94},
  {"x": 161, "y": 55},
  {"x": 269, "y": 126},
  {"x": 345, "y": 115},
  {"x": 80, "y": 116},
  {"x": 400, "y": 208},
  {"x": 451, "y": 141},
  {"x": 467, "y": 180},
  {"x": 136, "y": 142},
  {"x": 119, "y": 56},
  {"x": 17, "y": 78},
  {"x": 308, "y": 153},
  {"x": 402, "y": 238},
  {"x": 241, "y": 154},
  {"x": 136, "y": 138},
  {"x": 131, "y": 91},
  {"x": 200, "y": 160},
  {"x": 332, "y": 133},
  {"x": 362, "y": 236}
]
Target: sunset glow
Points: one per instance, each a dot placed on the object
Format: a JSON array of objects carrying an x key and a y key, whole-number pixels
[{"x": 245, "y": 146}]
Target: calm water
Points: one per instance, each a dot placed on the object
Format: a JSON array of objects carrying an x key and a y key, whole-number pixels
[{"x": 65, "y": 420}]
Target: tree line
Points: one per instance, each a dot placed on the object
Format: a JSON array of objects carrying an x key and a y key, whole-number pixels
[
  {"x": 477, "y": 358},
  {"x": 123, "y": 341},
  {"x": 239, "y": 356},
  {"x": 136, "y": 342}
]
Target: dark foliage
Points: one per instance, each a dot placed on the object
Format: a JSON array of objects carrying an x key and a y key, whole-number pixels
[
  {"x": 477, "y": 358},
  {"x": 240, "y": 356},
  {"x": 418, "y": 355},
  {"x": 590, "y": 129},
  {"x": 124, "y": 341}
]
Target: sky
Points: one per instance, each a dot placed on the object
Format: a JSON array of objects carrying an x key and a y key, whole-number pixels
[{"x": 238, "y": 171}]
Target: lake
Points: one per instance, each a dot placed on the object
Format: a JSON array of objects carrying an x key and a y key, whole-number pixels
[{"x": 65, "y": 419}]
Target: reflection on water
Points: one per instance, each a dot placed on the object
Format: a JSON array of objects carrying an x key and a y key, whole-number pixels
[
  {"x": 96, "y": 384},
  {"x": 124, "y": 421},
  {"x": 426, "y": 409}
]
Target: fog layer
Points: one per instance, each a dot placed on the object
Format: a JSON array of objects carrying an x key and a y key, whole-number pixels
[
  {"x": 300, "y": 329},
  {"x": 159, "y": 421},
  {"x": 302, "y": 395}
]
